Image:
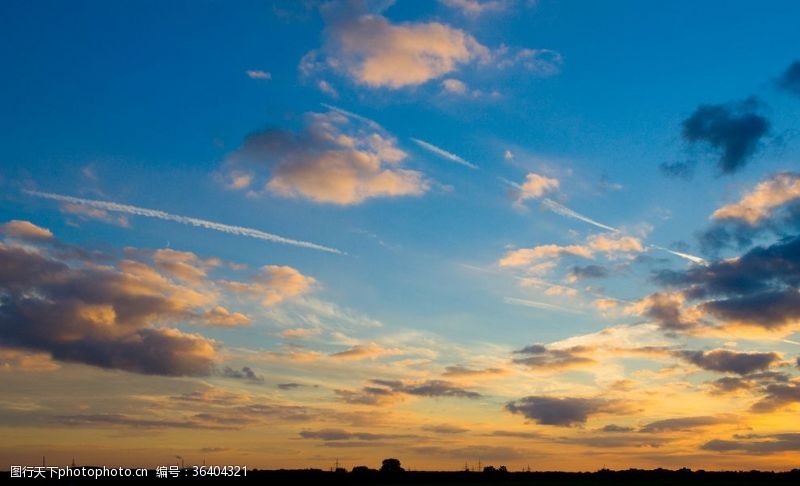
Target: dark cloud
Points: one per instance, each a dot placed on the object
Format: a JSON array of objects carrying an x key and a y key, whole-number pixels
[
  {"x": 757, "y": 289},
  {"x": 99, "y": 315},
  {"x": 113, "y": 420},
  {"x": 756, "y": 444},
  {"x": 589, "y": 271},
  {"x": 245, "y": 373},
  {"x": 561, "y": 411},
  {"x": 666, "y": 310},
  {"x": 776, "y": 396},
  {"x": 515, "y": 433},
  {"x": 732, "y": 130},
  {"x": 682, "y": 423},
  {"x": 343, "y": 435},
  {"x": 616, "y": 440},
  {"x": 782, "y": 224},
  {"x": 790, "y": 79},
  {"x": 770, "y": 309},
  {"x": 728, "y": 384},
  {"x": 289, "y": 386},
  {"x": 616, "y": 428},
  {"x": 538, "y": 356},
  {"x": 726, "y": 361},
  {"x": 444, "y": 429},
  {"x": 434, "y": 388},
  {"x": 385, "y": 391},
  {"x": 463, "y": 371}
]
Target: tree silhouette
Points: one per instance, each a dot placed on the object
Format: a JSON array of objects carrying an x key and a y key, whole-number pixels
[{"x": 391, "y": 466}]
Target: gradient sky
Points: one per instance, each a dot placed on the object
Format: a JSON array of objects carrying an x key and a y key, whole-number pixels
[{"x": 281, "y": 233}]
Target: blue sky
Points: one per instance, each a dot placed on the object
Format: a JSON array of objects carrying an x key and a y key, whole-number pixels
[{"x": 164, "y": 105}]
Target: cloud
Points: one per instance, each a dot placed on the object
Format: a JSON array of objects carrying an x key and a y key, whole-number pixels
[
  {"x": 444, "y": 429},
  {"x": 245, "y": 373},
  {"x": 528, "y": 256},
  {"x": 332, "y": 161},
  {"x": 371, "y": 51},
  {"x": 273, "y": 284},
  {"x": 772, "y": 208},
  {"x": 733, "y": 130},
  {"x": 539, "y": 357},
  {"x": 758, "y": 204},
  {"x": 365, "y": 351},
  {"x": 349, "y": 114},
  {"x": 475, "y": 8},
  {"x": 589, "y": 271},
  {"x": 616, "y": 428},
  {"x": 258, "y": 74},
  {"x": 289, "y": 386},
  {"x": 542, "y": 62},
  {"x": 777, "y": 396},
  {"x": 221, "y": 317},
  {"x": 789, "y": 81},
  {"x": 609, "y": 244},
  {"x": 561, "y": 411},
  {"x": 443, "y": 153},
  {"x": 534, "y": 187},
  {"x": 25, "y": 230},
  {"x": 565, "y": 211},
  {"x": 539, "y": 305},
  {"x": 339, "y": 435},
  {"x": 616, "y": 440},
  {"x": 181, "y": 264},
  {"x": 201, "y": 223},
  {"x": 86, "y": 213},
  {"x": 756, "y": 290},
  {"x": 726, "y": 361},
  {"x": 118, "y": 314},
  {"x": 683, "y": 423},
  {"x": 756, "y": 444},
  {"x": 386, "y": 391},
  {"x": 452, "y": 85},
  {"x": 13, "y": 360},
  {"x": 465, "y": 372},
  {"x": 99, "y": 315}
]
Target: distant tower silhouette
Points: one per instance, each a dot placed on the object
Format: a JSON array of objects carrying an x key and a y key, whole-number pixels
[
  {"x": 466, "y": 466},
  {"x": 43, "y": 462},
  {"x": 73, "y": 462},
  {"x": 479, "y": 465}
]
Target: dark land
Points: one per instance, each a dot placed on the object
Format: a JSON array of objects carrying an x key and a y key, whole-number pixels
[{"x": 490, "y": 476}]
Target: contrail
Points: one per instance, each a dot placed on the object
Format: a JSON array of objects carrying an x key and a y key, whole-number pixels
[
  {"x": 790, "y": 341},
  {"x": 443, "y": 153},
  {"x": 153, "y": 213},
  {"x": 691, "y": 258},
  {"x": 565, "y": 211},
  {"x": 352, "y": 115},
  {"x": 539, "y": 305}
]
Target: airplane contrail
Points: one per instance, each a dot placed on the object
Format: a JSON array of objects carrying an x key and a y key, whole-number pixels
[
  {"x": 201, "y": 223},
  {"x": 691, "y": 258},
  {"x": 565, "y": 211},
  {"x": 352, "y": 115},
  {"x": 539, "y": 305},
  {"x": 443, "y": 153},
  {"x": 790, "y": 341}
]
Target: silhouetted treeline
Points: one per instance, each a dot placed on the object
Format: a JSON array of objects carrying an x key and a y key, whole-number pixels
[{"x": 395, "y": 475}]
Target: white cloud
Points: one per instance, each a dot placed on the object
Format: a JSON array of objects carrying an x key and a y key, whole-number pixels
[
  {"x": 258, "y": 74},
  {"x": 757, "y": 204}
]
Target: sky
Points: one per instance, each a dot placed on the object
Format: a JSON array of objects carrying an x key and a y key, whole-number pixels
[{"x": 278, "y": 234}]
